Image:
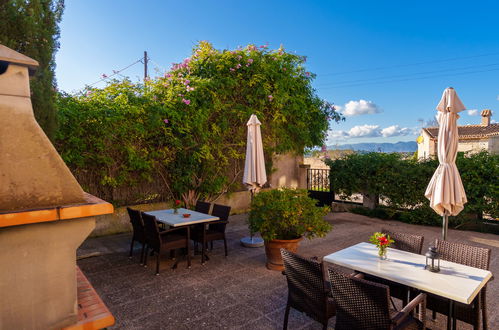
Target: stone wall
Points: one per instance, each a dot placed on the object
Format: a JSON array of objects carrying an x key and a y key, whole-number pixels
[{"x": 288, "y": 172}]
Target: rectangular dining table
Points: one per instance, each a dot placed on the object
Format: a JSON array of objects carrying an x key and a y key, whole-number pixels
[
  {"x": 170, "y": 218},
  {"x": 455, "y": 282}
]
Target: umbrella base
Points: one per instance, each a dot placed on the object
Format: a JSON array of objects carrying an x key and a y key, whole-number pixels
[{"x": 252, "y": 241}]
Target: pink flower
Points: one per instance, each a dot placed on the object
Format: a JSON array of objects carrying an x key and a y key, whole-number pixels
[
  {"x": 166, "y": 121},
  {"x": 186, "y": 101},
  {"x": 186, "y": 82},
  {"x": 283, "y": 69},
  {"x": 189, "y": 88},
  {"x": 239, "y": 57},
  {"x": 167, "y": 75},
  {"x": 250, "y": 60},
  {"x": 238, "y": 65},
  {"x": 270, "y": 97},
  {"x": 324, "y": 148},
  {"x": 232, "y": 69}
]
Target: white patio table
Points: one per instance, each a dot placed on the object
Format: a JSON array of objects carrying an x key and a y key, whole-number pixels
[
  {"x": 455, "y": 282},
  {"x": 176, "y": 220},
  {"x": 168, "y": 217}
]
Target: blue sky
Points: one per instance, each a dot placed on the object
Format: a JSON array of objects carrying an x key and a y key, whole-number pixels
[{"x": 385, "y": 63}]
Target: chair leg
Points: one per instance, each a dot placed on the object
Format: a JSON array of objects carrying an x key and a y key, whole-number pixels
[
  {"x": 131, "y": 249},
  {"x": 433, "y": 315},
  {"x": 145, "y": 256},
  {"x": 157, "y": 263},
  {"x": 211, "y": 245},
  {"x": 203, "y": 251},
  {"x": 483, "y": 304},
  {"x": 286, "y": 315},
  {"x": 225, "y": 246},
  {"x": 142, "y": 253}
]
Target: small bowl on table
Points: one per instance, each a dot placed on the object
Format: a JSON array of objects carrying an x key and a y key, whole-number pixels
[{"x": 186, "y": 215}]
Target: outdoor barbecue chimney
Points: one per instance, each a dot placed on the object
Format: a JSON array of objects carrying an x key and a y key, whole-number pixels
[{"x": 44, "y": 213}]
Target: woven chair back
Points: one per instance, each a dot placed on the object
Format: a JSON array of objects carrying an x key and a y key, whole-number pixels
[
  {"x": 152, "y": 231},
  {"x": 223, "y": 213},
  {"x": 464, "y": 254},
  {"x": 406, "y": 242},
  {"x": 306, "y": 286},
  {"x": 360, "y": 304},
  {"x": 137, "y": 223},
  {"x": 203, "y": 207}
]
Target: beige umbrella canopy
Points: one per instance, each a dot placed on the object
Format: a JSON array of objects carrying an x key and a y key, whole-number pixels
[
  {"x": 445, "y": 190},
  {"x": 254, "y": 168}
]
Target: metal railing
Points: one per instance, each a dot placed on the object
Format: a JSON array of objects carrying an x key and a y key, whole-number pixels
[{"x": 318, "y": 180}]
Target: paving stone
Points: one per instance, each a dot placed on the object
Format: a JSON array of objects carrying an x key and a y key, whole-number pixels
[{"x": 236, "y": 292}]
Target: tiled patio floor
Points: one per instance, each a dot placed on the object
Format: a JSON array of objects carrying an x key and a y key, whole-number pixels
[{"x": 236, "y": 292}]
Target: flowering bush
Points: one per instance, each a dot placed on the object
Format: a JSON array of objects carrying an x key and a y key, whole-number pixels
[
  {"x": 287, "y": 214},
  {"x": 186, "y": 130}
]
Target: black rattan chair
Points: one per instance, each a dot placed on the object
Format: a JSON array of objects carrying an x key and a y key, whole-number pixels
[
  {"x": 161, "y": 242},
  {"x": 362, "y": 304},
  {"x": 203, "y": 207},
  {"x": 215, "y": 230},
  {"x": 138, "y": 234},
  {"x": 405, "y": 242},
  {"x": 307, "y": 290},
  {"x": 470, "y": 256}
]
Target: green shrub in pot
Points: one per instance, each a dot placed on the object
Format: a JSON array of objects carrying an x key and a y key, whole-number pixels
[{"x": 285, "y": 214}]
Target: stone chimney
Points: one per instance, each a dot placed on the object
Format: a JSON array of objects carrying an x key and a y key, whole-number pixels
[{"x": 486, "y": 114}]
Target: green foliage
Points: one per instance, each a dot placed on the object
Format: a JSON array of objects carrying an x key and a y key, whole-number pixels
[
  {"x": 187, "y": 129},
  {"x": 401, "y": 183},
  {"x": 31, "y": 28},
  {"x": 287, "y": 214}
]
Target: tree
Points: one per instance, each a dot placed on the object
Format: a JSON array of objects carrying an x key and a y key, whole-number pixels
[
  {"x": 31, "y": 28},
  {"x": 187, "y": 129}
]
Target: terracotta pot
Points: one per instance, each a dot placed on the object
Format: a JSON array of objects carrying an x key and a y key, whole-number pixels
[{"x": 273, "y": 252}]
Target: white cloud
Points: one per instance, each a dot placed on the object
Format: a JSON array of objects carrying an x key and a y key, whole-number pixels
[
  {"x": 497, "y": 97},
  {"x": 396, "y": 130},
  {"x": 364, "y": 131},
  {"x": 473, "y": 112},
  {"x": 360, "y": 107},
  {"x": 492, "y": 121}
]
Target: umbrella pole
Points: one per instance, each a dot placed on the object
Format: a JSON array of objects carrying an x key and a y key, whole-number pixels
[
  {"x": 445, "y": 226},
  {"x": 252, "y": 241}
]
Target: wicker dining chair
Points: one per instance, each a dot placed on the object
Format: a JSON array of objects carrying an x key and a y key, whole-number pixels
[
  {"x": 307, "y": 290},
  {"x": 470, "y": 256},
  {"x": 164, "y": 241},
  {"x": 362, "y": 304},
  {"x": 215, "y": 230},
  {"x": 138, "y": 231},
  {"x": 203, "y": 207}
]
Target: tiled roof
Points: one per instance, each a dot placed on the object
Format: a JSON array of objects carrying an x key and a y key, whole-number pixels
[{"x": 469, "y": 131}]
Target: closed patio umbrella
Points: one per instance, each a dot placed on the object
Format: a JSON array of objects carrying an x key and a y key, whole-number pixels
[
  {"x": 445, "y": 190},
  {"x": 254, "y": 168}
]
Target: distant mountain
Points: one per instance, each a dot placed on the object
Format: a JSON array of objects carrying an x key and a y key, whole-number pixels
[{"x": 409, "y": 146}]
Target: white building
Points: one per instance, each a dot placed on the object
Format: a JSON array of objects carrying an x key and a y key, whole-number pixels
[{"x": 472, "y": 138}]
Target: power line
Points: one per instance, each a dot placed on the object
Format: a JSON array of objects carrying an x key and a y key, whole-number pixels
[
  {"x": 409, "y": 79},
  {"x": 115, "y": 72},
  {"x": 406, "y": 65},
  {"x": 407, "y": 75}
]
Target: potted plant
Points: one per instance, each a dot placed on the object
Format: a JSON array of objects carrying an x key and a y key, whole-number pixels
[{"x": 283, "y": 217}]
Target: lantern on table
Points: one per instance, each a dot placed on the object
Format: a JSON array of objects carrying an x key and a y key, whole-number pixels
[{"x": 432, "y": 260}]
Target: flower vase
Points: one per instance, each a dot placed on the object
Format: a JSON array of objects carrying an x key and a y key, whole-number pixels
[
  {"x": 175, "y": 211},
  {"x": 382, "y": 253}
]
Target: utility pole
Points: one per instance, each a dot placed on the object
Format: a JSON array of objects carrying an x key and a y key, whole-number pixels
[{"x": 145, "y": 65}]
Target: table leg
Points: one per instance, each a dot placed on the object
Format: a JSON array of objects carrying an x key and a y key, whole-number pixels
[{"x": 450, "y": 316}]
